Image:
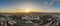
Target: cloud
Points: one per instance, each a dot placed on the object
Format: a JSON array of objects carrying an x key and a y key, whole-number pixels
[
  {"x": 53, "y": 0},
  {"x": 51, "y": 4},
  {"x": 45, "y": 2},
  {"x": 58, "y": 0}
]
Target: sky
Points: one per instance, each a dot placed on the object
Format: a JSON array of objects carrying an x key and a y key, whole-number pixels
[{"x": 29, "y": 5}]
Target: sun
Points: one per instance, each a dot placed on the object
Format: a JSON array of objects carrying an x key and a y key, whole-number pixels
[{"x": 27, "y": 10}]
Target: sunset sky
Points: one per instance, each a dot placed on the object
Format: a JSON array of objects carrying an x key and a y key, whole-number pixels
[{"x": 29, "y": 5}]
